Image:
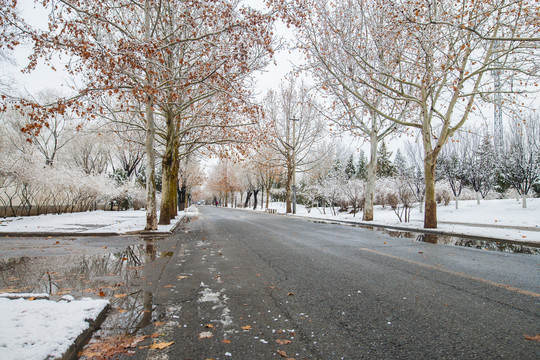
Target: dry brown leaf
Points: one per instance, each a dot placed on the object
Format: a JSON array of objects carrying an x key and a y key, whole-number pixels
[
  {"x": 31, "y": 299},
  {"x": 209, "y": 326},
  {"x": 161, "y": 345},
  {"x": 226, "y": 341},
  {"x": 101, "y": 293},
  {"x": 532, "y": 338},
  {"x": 282, "y": 353},
  {"x": 168, "y": 286},
  {"x": 290, "y": 294},
  {"x": 159, "y": 323},
  {"x": 154, "y": 335},
  {"x": 182, "y": 277},
  {"x": 247, "y": 327},
  {"x": 120, "y": 295},
  {"x": 283, "y": 341}
]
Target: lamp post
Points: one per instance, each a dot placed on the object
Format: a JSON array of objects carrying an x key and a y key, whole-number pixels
[{"x": 294, "y": 166}]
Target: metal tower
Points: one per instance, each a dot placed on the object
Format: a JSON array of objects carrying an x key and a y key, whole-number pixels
[{"x": 497, "y": 113}]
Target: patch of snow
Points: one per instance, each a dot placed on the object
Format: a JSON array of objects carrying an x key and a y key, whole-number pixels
[
  {"x": 42, "y": 329},
  {"x": 83, "y": 222}
]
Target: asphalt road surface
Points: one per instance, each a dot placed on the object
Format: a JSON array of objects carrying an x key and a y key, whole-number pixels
[{"x": 243, "y": 285}]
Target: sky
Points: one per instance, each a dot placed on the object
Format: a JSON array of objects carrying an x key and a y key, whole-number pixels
[{"x": 285, "y": 60}]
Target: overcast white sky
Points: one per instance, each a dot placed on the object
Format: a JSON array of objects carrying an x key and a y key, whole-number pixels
[{"x": 44, "y": 78}]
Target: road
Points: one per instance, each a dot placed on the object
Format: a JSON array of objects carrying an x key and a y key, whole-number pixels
[{"x": 244, "y": 285}]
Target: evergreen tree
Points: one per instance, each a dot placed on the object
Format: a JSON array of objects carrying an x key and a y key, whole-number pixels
[
  {"x": 400, "y": 164},
  {"x": 384, "y": 164},
  {"x": 350, "y": 170},
  {"x": 480, "y": 169},
  {"x": 361, "y": 167}
]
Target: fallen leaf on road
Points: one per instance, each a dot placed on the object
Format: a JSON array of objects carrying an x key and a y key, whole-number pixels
[
  {"x": 247, "y": 327},
  {"x": 154, "y": 335},
  {"x": 101, "y": 293},
  {"x": 161, "y": 345},
  {"x": 258, "y": 275},
  {"x": 205, "y": 335},
  {"x": 532, "y": 338},
  {"x": 209, "y": 326},
  {"x": 290, "y": 294},
  {"x": 226, "y": 341},
  {"x": 182, "y": 277},
  {"x": 159, "y": 323},
  {"x": 168, "y": 286},
  {"x": 282, "y": 353},
  {"x": 283, "y": 341},
  {"x": 120, "y": 295}
]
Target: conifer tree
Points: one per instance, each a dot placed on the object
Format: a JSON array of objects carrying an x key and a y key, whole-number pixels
[
  {"x": 384, "y": 166},
  {"x": 350, "y": 170},
  {"x": 361, "y": 167}
]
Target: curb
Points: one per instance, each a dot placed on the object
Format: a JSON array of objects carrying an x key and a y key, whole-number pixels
[
  {"x": 56, "y": 234},
  {"x": 80, "y": 342}
]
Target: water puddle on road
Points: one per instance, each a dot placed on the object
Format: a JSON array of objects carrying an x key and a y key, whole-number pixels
[
  {"x": 121, "y": 277},
  {"x": 470, "y": 242},
  {"x": 483, "y": 244}
]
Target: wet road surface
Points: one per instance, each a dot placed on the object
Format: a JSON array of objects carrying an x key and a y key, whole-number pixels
[
  {"x": 260, "y": 286},
  {"x": 233, "y": 284}
]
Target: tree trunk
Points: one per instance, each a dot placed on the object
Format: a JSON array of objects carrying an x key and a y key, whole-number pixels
[
  {"x": 288, "y": 185},
  {"x": 371, "y": 176},
  {"x": 477, "y": 198},
  {"x": 524, "y": 201},
  {"x": 151, "y": 212},
  {"x": 255, "y": 193},
  {"x": 248, "y": 197},
  {"x": 457, "y": 204},
  {"x": 267, "y": 197},
  {"x": 169, "y": 175},
  {"x": 182, "y": 197},
  {"x": 430, "y": 216}
]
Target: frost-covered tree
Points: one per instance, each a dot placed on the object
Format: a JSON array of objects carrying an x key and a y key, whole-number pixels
[
  {"x": 453, "y": 165},
  {"x": 350, "y": 169},
  {"x": 400, "y": 164},
  {"x": 384, "y": 164},
  {"x": 415, "y": 172},
  {"x": 519, "y": 166},
  {"x": 480, "y": 172},
  {"x": 361, "y": 166}
]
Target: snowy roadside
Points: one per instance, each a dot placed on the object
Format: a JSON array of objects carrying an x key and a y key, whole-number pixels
[
  {"x": 34, "y": 327},
  {"x": 90, "y": 222},
  {"x": 499, "y": 219}
]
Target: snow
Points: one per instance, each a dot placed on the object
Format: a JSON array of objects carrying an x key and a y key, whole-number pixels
[
  {"x": 120, "y": 222},
  {"x": 498, "y": 218},
  {"x": 42, "y": 329}
]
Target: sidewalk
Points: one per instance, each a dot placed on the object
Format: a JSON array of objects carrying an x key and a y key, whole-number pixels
[{"x": 92, "y": 223}]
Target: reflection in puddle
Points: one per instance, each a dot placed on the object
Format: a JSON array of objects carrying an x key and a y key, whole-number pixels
[
  {"x": 119, "y": 277},
  {"x": 504, "y": 246},
  {"x": 471, "y": 242}
]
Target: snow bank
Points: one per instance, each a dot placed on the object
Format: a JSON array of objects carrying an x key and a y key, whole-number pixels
[{"x": 40, "y": 329}]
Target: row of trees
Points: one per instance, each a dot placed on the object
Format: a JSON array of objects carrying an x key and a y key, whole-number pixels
[
  {"x": 177, "y": 73},
  {"x": 469, "y": 163},
  {"x": 409, "y": 65}
]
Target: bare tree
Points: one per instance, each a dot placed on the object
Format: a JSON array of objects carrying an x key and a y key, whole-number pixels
[
  {"x": 296, "y": 130},
  {"x": 519, "y": 166},
  {"x": 435, "y": 68}
]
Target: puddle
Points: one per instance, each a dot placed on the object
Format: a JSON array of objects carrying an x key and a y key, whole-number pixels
[
  {"x": 470, "y": 242},
  {"x": 503, "y": 246},
  {"x": 121, "y": 277}
]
